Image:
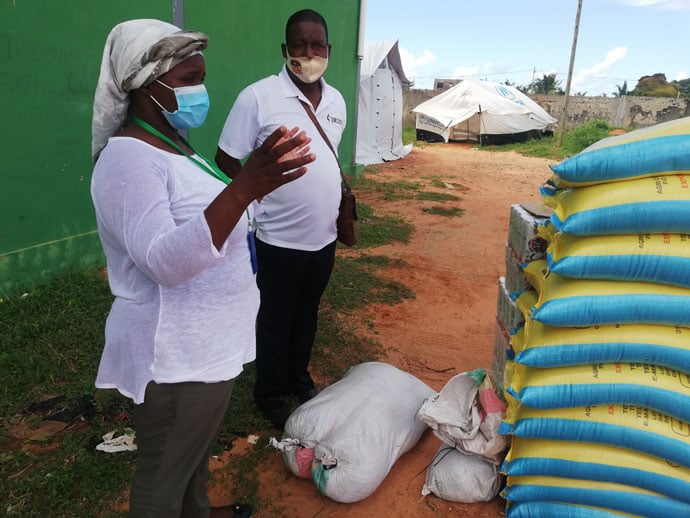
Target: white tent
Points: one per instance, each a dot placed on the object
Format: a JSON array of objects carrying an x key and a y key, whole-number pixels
[
  {"x": 380, "y": 105},
  {"x": 480, "y": 110}
]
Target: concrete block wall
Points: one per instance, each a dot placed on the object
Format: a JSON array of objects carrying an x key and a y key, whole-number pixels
[{"x": 627, "y": 112}]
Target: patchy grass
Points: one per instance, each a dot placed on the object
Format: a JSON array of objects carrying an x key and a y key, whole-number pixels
[
  {"x": 437, "y": 182},
  {"x": 543, "y": 148},
  {"x": 409, "y": 136},
  {"x": 449, "y": 212},
  {"x": 574, "y": 141},
  {"x": 388, "y": 190},
  {"x": 436, "y": 196},
  {"x": 375, "y": 230},
  {"x": 355, "y": 284},
  {"x": 40, "y": 352}
]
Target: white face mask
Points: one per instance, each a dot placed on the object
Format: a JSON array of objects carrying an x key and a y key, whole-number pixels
[{"x": 308, "y": 70}]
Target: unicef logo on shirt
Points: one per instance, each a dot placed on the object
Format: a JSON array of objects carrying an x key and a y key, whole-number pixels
[{"x": 334, "y": 119}]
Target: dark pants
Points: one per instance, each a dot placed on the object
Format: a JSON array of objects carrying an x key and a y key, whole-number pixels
[
  {"x": 291, "y": 283},
  {"x": 176, "y": 427}
]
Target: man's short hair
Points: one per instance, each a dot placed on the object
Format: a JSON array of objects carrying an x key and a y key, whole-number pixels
[{"x": 305, "y": 15}]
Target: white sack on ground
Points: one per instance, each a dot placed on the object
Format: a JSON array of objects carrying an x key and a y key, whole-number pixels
[
  {"x": 459, "y": 477},
  {"x": 355, "y": 430},
  {"x": 466, "y": 414}
]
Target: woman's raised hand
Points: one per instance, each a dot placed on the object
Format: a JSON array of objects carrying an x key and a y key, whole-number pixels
[{"x": 280, "y": 159}]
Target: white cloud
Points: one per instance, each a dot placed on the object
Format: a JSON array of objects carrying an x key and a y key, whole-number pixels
[
  {"x": 613, "y": 56},
  {"x": 462, "y": 72},
  {"x": 488, "y": 68},
  {"x": 582, "y": 80},
  {"x": 683, "y": 74},
  {"x": 412, "y": 63},
  {"x": 666, "y": 5}
]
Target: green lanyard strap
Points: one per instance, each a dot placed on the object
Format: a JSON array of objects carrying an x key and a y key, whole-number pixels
[
  {"x": 210, "y": 169},
  {"x": 207, "y": 166}
]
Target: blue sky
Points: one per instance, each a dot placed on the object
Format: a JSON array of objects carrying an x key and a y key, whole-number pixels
[{"x": 516, "y": 40}]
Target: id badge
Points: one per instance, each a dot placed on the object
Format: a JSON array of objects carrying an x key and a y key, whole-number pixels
[{"x": 252, "y": 250}]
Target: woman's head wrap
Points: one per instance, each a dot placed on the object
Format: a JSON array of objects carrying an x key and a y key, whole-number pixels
[{"x": 136, "y": 53}]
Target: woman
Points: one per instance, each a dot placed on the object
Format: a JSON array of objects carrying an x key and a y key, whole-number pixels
[{"x": 177, "y": 239}]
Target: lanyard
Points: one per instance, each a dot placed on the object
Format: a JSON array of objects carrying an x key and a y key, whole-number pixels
[
  {"x": 210, "y": 169},
  {"x": 206, "y": 165}
]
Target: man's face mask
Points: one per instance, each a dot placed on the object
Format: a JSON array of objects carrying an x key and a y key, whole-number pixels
[
  {"x": 308, "y": 70},
  {"x": 192, "y": 106}
]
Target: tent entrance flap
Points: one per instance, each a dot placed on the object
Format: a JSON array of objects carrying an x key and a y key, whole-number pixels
[{"x": 380, "y": 104}]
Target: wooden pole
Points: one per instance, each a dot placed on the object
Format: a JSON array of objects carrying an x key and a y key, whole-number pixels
[{"x": 564, "y": 112}]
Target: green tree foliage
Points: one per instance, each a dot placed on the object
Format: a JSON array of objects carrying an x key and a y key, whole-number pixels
[
  {"x": 683, "y": 87},
  {"x": 655, "y": 86},
  {"x": 547, "y": 84},
  {"x": 621, "y": 90}
]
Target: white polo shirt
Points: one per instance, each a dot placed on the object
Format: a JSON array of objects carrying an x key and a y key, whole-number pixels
[{"x": 301, "y": 214}]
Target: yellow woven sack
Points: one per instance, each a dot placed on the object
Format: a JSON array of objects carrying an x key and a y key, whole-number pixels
[
  {"x": 601, "y": 462},
  {"x": 626, "y": 426},
  {"x": 655, "y": 205},
  {"x": 557, "y": 509},
  {"x": 658, "y": 388},
  {"x": 567, "y": 302},
  {"x": 655, "y": 150},
  {"x": 660, "y": 258},
  {"x": 607, "y": 495},
  {"x": 539, "y": 345}
]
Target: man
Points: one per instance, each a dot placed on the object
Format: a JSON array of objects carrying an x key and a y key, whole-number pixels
[{"x": 295, "y": 224}]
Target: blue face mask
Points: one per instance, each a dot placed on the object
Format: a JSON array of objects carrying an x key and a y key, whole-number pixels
[{"x": 192, "y": 106}]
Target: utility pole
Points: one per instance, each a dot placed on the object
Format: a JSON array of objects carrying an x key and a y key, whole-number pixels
[
  {"x": 534, "y": 71},
  {"x": 564, "y": 112}
]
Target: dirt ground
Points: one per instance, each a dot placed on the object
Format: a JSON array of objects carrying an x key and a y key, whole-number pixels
[{"x": 453, "y": 266}]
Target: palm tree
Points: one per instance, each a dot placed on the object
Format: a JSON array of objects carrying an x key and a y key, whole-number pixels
[
  {"x": 548, "y": 84},
  {"x": 621, "y": 90}
]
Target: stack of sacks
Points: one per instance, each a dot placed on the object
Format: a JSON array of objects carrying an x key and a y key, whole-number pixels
[
  {"x": 524, "y": 246},
  {"x": 465, "y": 415},
  {"x": 599, "y": 391}
]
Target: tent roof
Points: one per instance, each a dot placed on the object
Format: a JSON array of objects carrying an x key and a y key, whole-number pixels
[
  {"x": 377, "y": 51},
  {"x": 470, "y": 96}
]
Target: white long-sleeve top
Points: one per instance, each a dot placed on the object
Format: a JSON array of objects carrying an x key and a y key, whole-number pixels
[{"x": 183, "y": 310}]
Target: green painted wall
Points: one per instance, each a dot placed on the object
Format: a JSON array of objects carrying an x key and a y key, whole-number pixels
[{"x": 50, "y": 53}]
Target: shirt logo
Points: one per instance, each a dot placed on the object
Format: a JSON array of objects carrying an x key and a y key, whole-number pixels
[{"x": 334, "y": 119}]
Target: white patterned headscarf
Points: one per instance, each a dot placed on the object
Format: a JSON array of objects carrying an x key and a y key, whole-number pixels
[{"x": 136, "y": 52}]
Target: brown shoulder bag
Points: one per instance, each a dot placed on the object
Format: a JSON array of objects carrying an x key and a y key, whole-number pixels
[{"x": 347, "y": 213}]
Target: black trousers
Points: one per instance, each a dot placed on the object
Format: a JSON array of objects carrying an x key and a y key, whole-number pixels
[{"x": 291, "y": 283}]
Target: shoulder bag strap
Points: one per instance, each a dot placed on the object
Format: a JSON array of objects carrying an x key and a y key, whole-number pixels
[{"x": 325, "y": 138}]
